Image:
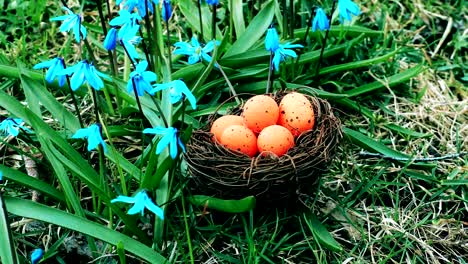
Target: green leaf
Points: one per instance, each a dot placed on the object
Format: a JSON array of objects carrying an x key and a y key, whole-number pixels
[
  {"x": 254, "y": 31},
  {"x": 357, "y": 64},
  {"x": 320, "y": 233},
  {"x": 54, "y": 216},
  {"x": 405, "y": 131},
  {"x": 369, "y": 143},
  {"x": 314, "y": 56},
  {"x": 7, "y": 246},
  {"x": 190, "y": 11},
  {"x": 351, "y": 31},
  {"x": 30, "y": 182},
  {"x": 389, "y": 82},
  {"x": 229, "y": 206},
  {"x": 38, "y": 93},
  {"x": 237, "y": 16}
]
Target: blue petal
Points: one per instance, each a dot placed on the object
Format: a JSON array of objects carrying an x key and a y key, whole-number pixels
[
  {"x": 141, "y": 66},
  {"x": 123, "y": 199},
  {"x": 194, "y": 58},
  {"x": 138, "y": 207},
  {"x": 37, "y": 255},
  {"x": 81, "y": 133},
  {"x": 155, "y": 209},
  {"x": 162, "y": 144},
  {"x": 149, "y": 76},
  {"x": 156, "y": 130},
  {"x": 111, "y": 39},
  {"x": 45, "y": 64}
]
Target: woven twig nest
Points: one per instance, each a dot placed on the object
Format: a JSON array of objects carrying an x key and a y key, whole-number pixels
[{"x": 219, "y": 172}]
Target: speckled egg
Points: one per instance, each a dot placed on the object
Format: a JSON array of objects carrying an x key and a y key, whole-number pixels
[
  {"x": 275, "y": 139},
  {"x": 259, "y": 112},
  {"x": 296, "y": 113},
  {"x": 220, "y": 124},
  {"x": 240, "y": 138}
]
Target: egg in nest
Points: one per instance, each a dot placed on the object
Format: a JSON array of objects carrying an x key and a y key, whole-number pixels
[
  {"x": 239, "y": 138},
  {"x": 296, "y": 113},
  {"x": 259, "y": 112},
  {"x": 275, "y": 139},
  {"x": 220, "y": 124}
]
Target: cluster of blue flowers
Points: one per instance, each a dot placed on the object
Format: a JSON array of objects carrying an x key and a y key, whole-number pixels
[{"x": 346, "y": 8}]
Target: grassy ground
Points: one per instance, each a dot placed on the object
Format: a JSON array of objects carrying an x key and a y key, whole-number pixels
[{"x": 379, "y": 210}]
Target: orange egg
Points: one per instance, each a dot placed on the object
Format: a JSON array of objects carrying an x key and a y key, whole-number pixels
[
  {"x": 259, "y": 112},
  {"x": 296, "y": 113},
  {"x": 220, "y": 124},
  {"x": 275, "y": 139},
  {"x": 239, "y": 138}
]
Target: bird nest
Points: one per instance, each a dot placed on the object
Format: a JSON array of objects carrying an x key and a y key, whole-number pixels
[{"x": 222, "y": 173}]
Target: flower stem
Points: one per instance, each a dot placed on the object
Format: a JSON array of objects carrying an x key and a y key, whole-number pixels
[
  {"x": 148, "y": 31},
  {"x": 229, "y": 84},
  {"x": 145, "y": 49},
  {"x": 137, "y": 98},
  {"x": 104, "y": 31},
  {"x": 75, "y": 102},
  {"x": 291, "y": 18},
  {"x": 324, "y": 43},
  {"x": 213, "y": 25},
  {"x": 270, "y": 74},
  {"x": 169, "y": 55},
  {"x": 200, "y": 18},
  {"x": 160, "y": 112}
]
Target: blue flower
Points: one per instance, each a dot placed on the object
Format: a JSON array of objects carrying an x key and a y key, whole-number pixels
[
  {"x": 1, "y": 176},
  {"x": 111, "y": 39},
  {"x": 142, "y": 79},
  {"x": 272, "y": 40},
  {"x": 11, "y": 127},
  {"x": 166, "y": 10},
  {"x": 320, "y": 20},
  {"x": 178, "y": 90},
  {"x": 346, "y": 8},
  {"x": 195, "y": 51},
  {"x": 140, "y": 201},
  {"x": 212, "y": 2},
  {"x": 283, "y": 51},
  {"x": 36, "y": 255},
  {"x": 128, "y": 21},
  {"x": 54, "y": 66},
  {"x": 82, "y": 72},
  {"x": 93, "y": 134},
  {"x": 129, "y": 40},
  {"x": 71, "y": 21},
  {"x": 139, "y": 4},
  {"x": 169, "y": 138}
]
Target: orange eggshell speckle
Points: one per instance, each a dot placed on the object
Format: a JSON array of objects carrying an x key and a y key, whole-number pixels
[
  {"x": 296, "y": 113},
  {"x": 220, "y": 124},
  {"x": 275, "y": 139},
  {"x": 240, "y": 138},
  {"x": 259, "y": 112}
]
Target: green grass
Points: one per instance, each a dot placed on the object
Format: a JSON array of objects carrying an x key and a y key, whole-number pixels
[{"x": 400, "y": 93}]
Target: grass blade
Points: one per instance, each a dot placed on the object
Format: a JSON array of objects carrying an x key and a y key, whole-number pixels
[
  {"x": 390, "y": 81},
  {"x": 369, "y": 143},
  {"x": 320, "y": 233},
  {"x": 54, "y": 216},
  {"x": 30, "y": 182},
  {"x": 357, "y": 64},
  {"x": 7, "y": 247}
]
